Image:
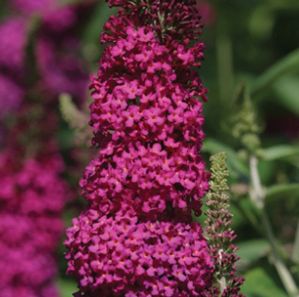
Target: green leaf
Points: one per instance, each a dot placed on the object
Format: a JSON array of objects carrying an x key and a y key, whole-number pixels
[
  {"x": 279, "y": 152},
  {"x": 67, "y": 287},
  {"x": 238, "y": 218},
  {"x": 287, "y": 91},
  {"x": 65, "y": 138},
  {"x": 251, "y": 251},
  {"x": 267, "y": 171},
  {"x": 282, "y": 191},
  {"x": 213, "y": 146},
  {"x": 262, "y": 21},
  {"x": 248, "y": 212},
  {"x": 258, "y": 283},
  {"x": 287, "y": 65}
]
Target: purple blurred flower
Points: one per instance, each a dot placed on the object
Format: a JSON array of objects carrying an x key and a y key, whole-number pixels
[
  {"x": 32, "y": 191},
  {"x": 30, "y": 187},
  {"x": 60, "y": 18},
  {"x": 32, "y": 197},
  {"x": 59, "y": 66},
  {"x": 27, "y": 270},
  {"x": 55, "y": 16},
  {"x": 12, "y": 44},
  {"x": 29, "y": 7},
  {"x": 11, "y": 96}
]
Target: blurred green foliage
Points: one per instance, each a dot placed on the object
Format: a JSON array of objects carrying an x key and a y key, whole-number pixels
[{"x": 256, "y": 44}]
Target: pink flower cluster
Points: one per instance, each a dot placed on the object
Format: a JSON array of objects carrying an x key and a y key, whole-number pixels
[
  {"x": 141, "y": 91},
  {"x": 55, "y": 15},
  {"x": 118, "y": 256},
  {"x": 137, "y": 239},
  {"x": 32, "y": 197},
  {"x": 149, "y": 178}
]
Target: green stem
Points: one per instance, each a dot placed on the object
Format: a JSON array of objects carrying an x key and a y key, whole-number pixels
[{"x": 258, "y": 197}]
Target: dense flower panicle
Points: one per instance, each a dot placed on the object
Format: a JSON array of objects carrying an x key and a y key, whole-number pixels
[
  {"x": 61, "y": 70},
  {"x": 137, "y": 239},
  {"x": 12, "y": 44},
  {"x": 27, "y": 269},
  {"x": 117, "y": 255},
  {"x": 145, "y": 112},
  {"x": 11, "y": 96}
]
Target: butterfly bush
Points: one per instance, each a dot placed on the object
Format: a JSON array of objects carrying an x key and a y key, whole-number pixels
[{"x": 137, "y": 238}]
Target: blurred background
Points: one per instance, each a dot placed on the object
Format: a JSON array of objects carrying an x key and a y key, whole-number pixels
[{"x": 48, "y": 51}]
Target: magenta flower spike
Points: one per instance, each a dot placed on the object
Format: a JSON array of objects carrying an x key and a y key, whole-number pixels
[{"x": 137, "y": 238}]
